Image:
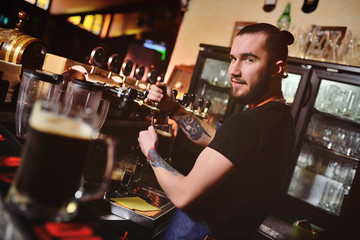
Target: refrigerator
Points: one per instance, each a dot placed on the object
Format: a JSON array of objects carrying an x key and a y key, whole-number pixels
[{"x": 322, "y": 185}]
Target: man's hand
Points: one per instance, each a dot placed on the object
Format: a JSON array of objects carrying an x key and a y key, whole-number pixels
[
  {"x": 148, "y": 139},
  {"x": 162, "y": 94}
]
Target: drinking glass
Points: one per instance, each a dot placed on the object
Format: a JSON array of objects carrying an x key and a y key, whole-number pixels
[
  {"x": 325, "y": 99},
  {"x": 128, "y": 169},
  {"x": 350, "y": 103},
  {"x": 314, "y": 130},
  {"x": 165, "y": 144},
  {"x": 353, "y": 144},
  {"x": 49, "y": 183},
  {"x": 328, "y": 196},
  {"x": 349, "y": 178},
  {"x": 336, "y": 203}
]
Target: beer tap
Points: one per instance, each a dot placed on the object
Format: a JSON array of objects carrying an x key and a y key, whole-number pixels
[
  {"x": 192, "y": 98},
  {"x": 139, "y": 73},
  {"x": 127, "y": 100},
  {"x": 185, "y": 100},
  {"x": 97, "y": 58},
  {"x": 175, "y": 93},
  {"x": 127, "y": 67},
  {"x": 152, "y": 76},
  {"x": 201, "y": 102},
  {"x": 204, "y": 113},
  {"x": 113, "y": 64}
]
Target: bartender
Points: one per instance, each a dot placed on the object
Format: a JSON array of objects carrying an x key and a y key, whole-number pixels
[{"x": 236, "y": 178}]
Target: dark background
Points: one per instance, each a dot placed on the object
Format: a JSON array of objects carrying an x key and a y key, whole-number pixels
[{"x": 67, "y": 40}]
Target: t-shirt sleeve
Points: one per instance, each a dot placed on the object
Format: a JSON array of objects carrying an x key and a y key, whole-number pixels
[{"x": 238, "y": 139}]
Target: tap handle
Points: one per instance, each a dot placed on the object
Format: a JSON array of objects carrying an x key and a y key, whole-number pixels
[
  {"x": 161, "y": 77},
  {"x": 207, "y": 104},
  {"x": 192, "y": 98},
  {"x": 97, "y": 56},
  {"x": 114, "y": 63},
  {"x": 139, "y": 72},
  {"x": 201, "y": 102},
  {"x": 127, "y": 67},
  {"x": 152, "y": 76},
  {"x": 175, "y": 93},
  {"x": 23, "y": 18},
  {"x": 185, "y": 101}
]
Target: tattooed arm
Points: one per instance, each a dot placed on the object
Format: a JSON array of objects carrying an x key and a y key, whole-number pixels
[
  {"x": 155, "y": 160},
  {"x": 195, "y": 129},
  {"x": 209, "y": 170}
]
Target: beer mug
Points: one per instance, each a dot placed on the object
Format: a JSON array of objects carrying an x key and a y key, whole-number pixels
[
  {"x": 49, "y": 183},
  {"x": 128, "y": 169},
  {"x": 165, "y": 143}
]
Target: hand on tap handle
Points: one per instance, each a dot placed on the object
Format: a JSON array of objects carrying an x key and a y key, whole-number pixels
[{"x": 162, "y": 94}]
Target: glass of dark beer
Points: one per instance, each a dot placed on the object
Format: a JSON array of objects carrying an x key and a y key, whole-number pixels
[
  {"x": 165, "y": 143},
  {"x": 49, "y": 183}
]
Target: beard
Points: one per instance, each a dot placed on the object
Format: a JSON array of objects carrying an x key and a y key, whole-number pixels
[{"x": 254, "y": 94}]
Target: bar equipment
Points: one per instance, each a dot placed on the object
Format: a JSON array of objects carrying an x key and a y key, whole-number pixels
[
  {"x": 323, "y": 184},
  {"x": 35, "y": 84},
  {"x": 20, "y": 48}
]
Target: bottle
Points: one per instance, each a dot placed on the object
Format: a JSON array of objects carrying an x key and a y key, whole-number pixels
[
  {"x": 283, "y": 22},
  {"x": 269, "y": 5},
  {"x": 309, "y": 6}
]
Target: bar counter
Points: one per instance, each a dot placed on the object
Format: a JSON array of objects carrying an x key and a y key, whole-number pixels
[{"x": 102, "y": 218}]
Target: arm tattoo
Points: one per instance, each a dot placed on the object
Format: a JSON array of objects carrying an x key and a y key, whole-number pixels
[
  {"x": 192, "y": 126},
  {"x": 157, "y": 161}
]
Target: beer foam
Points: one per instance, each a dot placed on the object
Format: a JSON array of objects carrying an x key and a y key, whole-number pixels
[
  {"x": 60, "y": 125},
  {"x": 163, "y": 133}
]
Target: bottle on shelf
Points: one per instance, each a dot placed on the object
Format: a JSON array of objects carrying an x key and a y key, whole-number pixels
[
  {"x": 269, "y": 5},
  {"x": 284, "y": 20},
  {"x": 309, "y": 6}
]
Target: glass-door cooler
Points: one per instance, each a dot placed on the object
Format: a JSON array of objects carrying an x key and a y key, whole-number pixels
[{"x": 324, "y": 185}]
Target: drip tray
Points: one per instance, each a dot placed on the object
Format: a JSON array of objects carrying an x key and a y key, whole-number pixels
[{"x": 155, "y": 197}]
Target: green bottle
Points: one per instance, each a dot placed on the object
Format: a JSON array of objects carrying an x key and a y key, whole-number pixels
[{"x": 284, "y": 20}]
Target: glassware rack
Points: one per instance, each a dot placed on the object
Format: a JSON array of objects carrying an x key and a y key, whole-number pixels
[{"x": 327, "y": 162}]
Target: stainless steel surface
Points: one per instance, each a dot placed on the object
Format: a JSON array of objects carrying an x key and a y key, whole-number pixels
[{"x": 156, "y": 223}]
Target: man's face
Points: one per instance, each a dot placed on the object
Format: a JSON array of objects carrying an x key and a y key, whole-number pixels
[{"x": 248, "y": 71}]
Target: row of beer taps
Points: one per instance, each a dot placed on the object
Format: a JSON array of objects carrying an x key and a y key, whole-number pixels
[{"x": 131, "y": 86}]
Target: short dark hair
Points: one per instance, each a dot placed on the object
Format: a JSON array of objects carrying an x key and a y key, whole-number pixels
[{"x": 277, "y": 41}]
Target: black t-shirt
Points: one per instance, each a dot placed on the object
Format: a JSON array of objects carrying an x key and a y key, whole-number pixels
[{"x": 260, "y": 143}]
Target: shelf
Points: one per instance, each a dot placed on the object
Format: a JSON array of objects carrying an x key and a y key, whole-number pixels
[
  {"x": 215, "y": 87},
  {"x": 316, "y": 145},
  {"x": 342, "y": 119}
]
